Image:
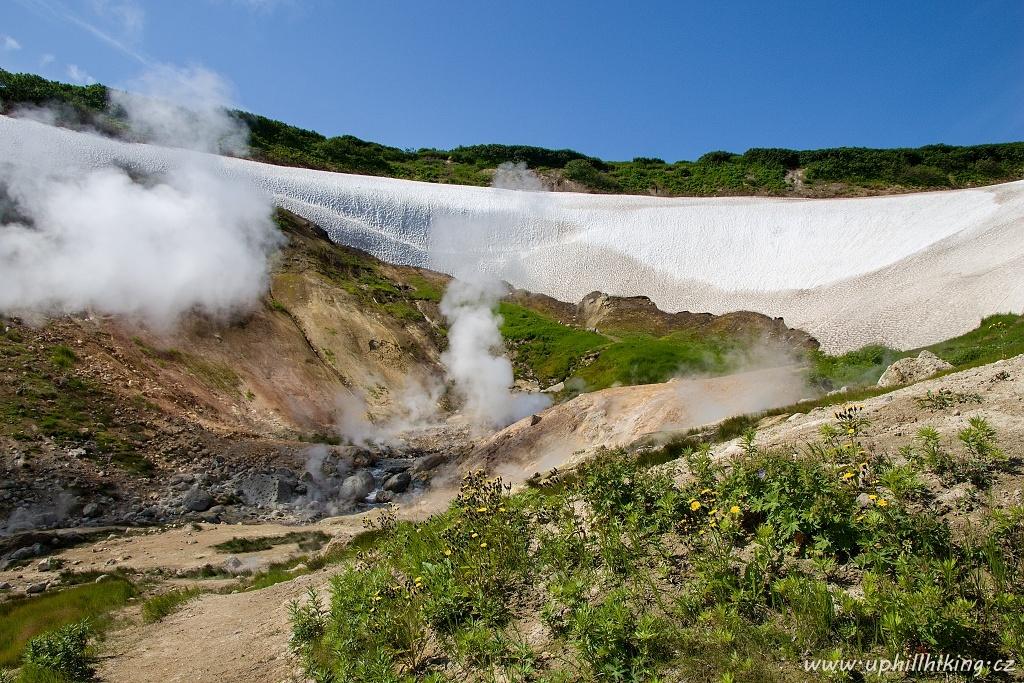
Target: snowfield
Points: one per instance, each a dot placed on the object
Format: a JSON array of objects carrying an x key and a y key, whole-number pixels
[{"x": 903, "y": 270}]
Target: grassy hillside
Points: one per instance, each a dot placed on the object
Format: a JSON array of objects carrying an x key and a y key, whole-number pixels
[
  {"x": 826, "y": 172},
  {"x": 997, "y": 337},
  {"x": 750, "y": 570},
  {"x": 549, "y": 351}
]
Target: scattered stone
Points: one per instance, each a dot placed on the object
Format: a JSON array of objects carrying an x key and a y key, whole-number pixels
[
  {"x": 534, "y": 420},
  {"x": 427, "y": 462},
  {"x": 197, "y": 500},
  {"x": 91, "y": 510},
  {"x": 910, "y": 370},
  {"x": 27, "y": 552},
  {"x": 357, "y": 487},
  {"x": 36, "y": 588},
  {"x": 48, "y": 565},
  {"x": 554, "y": 388},
  {"x": 398, "y": 483},
  {"x": 5, "y": 585}
]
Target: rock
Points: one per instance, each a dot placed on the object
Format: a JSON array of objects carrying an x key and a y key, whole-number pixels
[
  {"x": 233, "y": 565},
  {"x": 863, "y": 500},
  {"x": 25, "y": 553},
  {"x": 357, "y": 487},
  {"x": 910, "y": 370},
  {"x": 840, "y": 390},
  {"x": 48, "y": 565},
  {"x": 76, "y": 453},
  {"x": 36, "y": 588},
  {"x": 534, "y": 420},
  {"x": 398, "y": 483},
  {"x": 5, "y": 585},
  {"x": 91, "y": 510},
  {"x": 427, "y": 462},
  {"x": 103, "y": 577},
  {"x": 554, "y": 388},
  {"x": 197, "y": 500}
]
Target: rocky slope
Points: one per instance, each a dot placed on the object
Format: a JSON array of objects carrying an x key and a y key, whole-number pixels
[{"x": 105, "y": 420}]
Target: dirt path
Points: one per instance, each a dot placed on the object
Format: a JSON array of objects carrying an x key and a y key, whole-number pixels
[
  {"x": 239, "y": 637},
  {"x": 217, "y": 638}
]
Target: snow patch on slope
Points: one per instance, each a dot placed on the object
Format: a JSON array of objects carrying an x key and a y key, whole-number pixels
[{"x": 903, "y": 270}]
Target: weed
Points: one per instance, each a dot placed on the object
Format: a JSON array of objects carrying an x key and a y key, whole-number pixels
[
  {"x": 945, "y": 398},
  {"x": 62, "y": 356},
  {"x": 160, "y": 606},
  {"x": 306, "y": 540}
]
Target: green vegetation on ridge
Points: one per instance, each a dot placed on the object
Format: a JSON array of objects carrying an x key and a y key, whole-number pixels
[
  {"x": 825, "y": 172},
  {"x": 997, "y": 337},
  {"x": 551, "y": 351},
  {"x": 742, "y": 571}
]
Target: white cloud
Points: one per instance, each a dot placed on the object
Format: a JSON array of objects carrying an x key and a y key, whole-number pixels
[
  {"x": 126, "y": 13},
  {"x": 46, "y": 59},
  {"x": 80, "y": 75},
  {"x": 10, "y": 44}
]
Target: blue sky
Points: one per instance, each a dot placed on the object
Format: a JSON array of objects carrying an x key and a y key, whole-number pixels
[{"x": 613, "y": 79}]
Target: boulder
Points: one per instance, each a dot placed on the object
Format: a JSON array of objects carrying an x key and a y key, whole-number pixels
[
  {"x": 357, "y": 487},
  {"x": 91, "y": 510},
  {"x": 48, "y": 565},
  {"x": 398, "y": 483},
  {"x": 5, "y": 585},
  {"x": 197, "y": 500},
  {"x": 910, "y": 370},
  {"x": 36, "y": 588},
  {"x": 428, "y": 462}
]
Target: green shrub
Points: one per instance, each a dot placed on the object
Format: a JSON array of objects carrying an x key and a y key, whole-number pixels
[
  {"x": 62, "y": 651},
  {"x": 23, "y": 619}
]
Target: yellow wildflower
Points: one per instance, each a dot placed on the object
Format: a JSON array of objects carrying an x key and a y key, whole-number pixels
[
  {"x": 735, "y": 509},
  {"x": 475, "y": 534},
  {"x": 447, "y": 552},
  {"x": 481, "y": 509},
  {"x": 882, "y": 502},
  {"x": 695, "y": 505},
  {"x": 484, "y": 544},
  {"x": 873, "y": 497},
  {"x": 847, "y": 475}
]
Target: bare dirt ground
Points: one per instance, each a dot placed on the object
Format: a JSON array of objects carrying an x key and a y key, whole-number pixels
[
  {"x": 566, "y": 433},
  {"x": 174, "y": 549},
  {"x": 219, "y": 638}
]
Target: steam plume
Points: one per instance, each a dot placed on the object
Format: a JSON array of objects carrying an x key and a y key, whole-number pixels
[
  {"x": 473, "y": 360},
  {"x": 190, "y": 238}
]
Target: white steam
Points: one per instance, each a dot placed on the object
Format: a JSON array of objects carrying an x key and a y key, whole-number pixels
[
  {"x": 474, "y": 360},
  {"x": 185, "y": 108},
  {"x": 154, "y": 248},
  {"x": 510, "y": 176}
]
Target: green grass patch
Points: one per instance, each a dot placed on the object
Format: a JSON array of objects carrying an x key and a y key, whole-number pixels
[
  {"x": 62, "y": 356},
  {"x": 160, "y": 606},
  {"x": 997, "y": 337},
  {"x": 643, "y": 359},
  {"x": 21, "y": 619},
  {"x": 551, "y": 350},
  {"x": 306, "y": 540}
]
